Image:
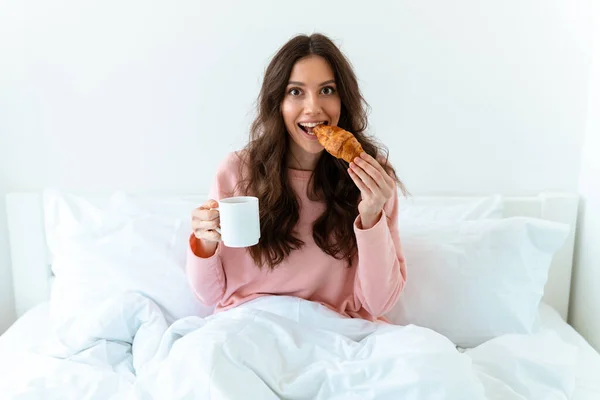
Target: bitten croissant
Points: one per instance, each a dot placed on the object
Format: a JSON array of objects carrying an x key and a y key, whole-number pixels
[{"x": 338, "y": 142}]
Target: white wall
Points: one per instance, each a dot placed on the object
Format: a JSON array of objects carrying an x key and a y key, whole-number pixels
[
  {"x": 471, "y": 97},
  {"x": 585, "y": 297}
]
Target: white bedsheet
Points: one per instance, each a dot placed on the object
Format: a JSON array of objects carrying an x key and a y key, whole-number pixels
[
  {"x": 278, "y": 346},
  {"x": 32, "y": 328},
  {"x": 588, "y": 360}
]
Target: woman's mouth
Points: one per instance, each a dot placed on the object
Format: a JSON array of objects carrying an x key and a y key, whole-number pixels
[{"x": 308, "y": 126}]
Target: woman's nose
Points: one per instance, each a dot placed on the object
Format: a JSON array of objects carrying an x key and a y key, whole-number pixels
[{"x": 312, "y": 104}]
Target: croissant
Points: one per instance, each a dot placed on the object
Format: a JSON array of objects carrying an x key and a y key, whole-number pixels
[{"x": 338, "y": 142}]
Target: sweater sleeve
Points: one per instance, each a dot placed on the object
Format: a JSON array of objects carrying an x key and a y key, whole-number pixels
[
  {"x": 206, "y": 275},
  {"x": 381, "y": 269}
]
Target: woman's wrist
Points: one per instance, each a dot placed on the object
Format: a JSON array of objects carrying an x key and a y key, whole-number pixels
[
  {"x": 369, "y": 220},
  {"x": 202, "y": 248}
]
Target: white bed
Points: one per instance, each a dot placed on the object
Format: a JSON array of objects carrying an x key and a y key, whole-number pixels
[
  {"x": 33, "y": 281},
  {"x": 34, "y": 327}
]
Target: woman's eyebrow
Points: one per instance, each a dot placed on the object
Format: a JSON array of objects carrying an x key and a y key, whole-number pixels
[
  {"x": 303, "y": 84},
  {"x": 327, "y": 82}
]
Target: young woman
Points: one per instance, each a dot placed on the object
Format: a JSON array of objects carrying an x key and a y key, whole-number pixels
[{"x": 328, "y": 229}]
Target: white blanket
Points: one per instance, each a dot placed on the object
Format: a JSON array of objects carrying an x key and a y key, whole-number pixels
[{"x": 278, "y": 347}]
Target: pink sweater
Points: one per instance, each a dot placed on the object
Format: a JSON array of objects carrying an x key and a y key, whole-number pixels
[{"x": 367, "y": 289}]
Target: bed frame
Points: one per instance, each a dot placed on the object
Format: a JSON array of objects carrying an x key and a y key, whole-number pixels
[{"x": 32, "y": 274}]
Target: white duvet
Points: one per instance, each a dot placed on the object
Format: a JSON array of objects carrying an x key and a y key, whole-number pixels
[{"x": 278, "y": 347}]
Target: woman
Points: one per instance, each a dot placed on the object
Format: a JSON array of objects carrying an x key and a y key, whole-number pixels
[{"x": 328, "y": 229}]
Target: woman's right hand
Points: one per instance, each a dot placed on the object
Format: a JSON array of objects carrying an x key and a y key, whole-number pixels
[{"x": 205, "y": 221}]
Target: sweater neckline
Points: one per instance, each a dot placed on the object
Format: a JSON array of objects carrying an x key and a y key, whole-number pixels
[{"x": 299, "y": 173}]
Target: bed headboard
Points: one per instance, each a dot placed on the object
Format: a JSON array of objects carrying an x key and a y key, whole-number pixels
[{"x": 32, "y": 275}]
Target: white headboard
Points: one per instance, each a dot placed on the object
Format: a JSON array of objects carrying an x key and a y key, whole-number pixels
[{"x": 32, "y": 274}]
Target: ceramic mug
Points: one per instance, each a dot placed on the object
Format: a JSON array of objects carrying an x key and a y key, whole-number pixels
[{"x": 240, "y": 221}]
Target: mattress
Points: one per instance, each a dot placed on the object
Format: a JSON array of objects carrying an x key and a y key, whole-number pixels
[{"x": 33, "y": 328}]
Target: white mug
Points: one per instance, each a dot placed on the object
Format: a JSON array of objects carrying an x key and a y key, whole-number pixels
[{"x": 240, "y": 221}]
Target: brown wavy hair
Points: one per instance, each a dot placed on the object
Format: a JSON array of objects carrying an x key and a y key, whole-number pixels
[{"x": 266, "y": 175}]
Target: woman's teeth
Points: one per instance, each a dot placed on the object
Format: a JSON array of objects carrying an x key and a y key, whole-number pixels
[
  {"x": 308, "y": 126},
  {"x": 311, "y": 124}
]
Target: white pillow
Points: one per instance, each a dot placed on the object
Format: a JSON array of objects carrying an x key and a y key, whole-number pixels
[
  {"x": 100, "y": 247},
  {"x": 474, "y": 280},
  {"x": 449, "y": 208}
]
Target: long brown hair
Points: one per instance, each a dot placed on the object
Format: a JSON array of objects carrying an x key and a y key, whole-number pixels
[{"x": 265, "y": 160}]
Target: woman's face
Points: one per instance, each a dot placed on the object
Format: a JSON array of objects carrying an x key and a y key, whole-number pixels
[{"x": 311, "y": 98}]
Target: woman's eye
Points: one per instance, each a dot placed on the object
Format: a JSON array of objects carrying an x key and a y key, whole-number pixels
[
  {"x": 328, "y": 90},
  {"x": 295, "y": 92}
]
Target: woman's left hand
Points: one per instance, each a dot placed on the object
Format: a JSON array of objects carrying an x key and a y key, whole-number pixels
[{"x": 376, "y": 187}]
